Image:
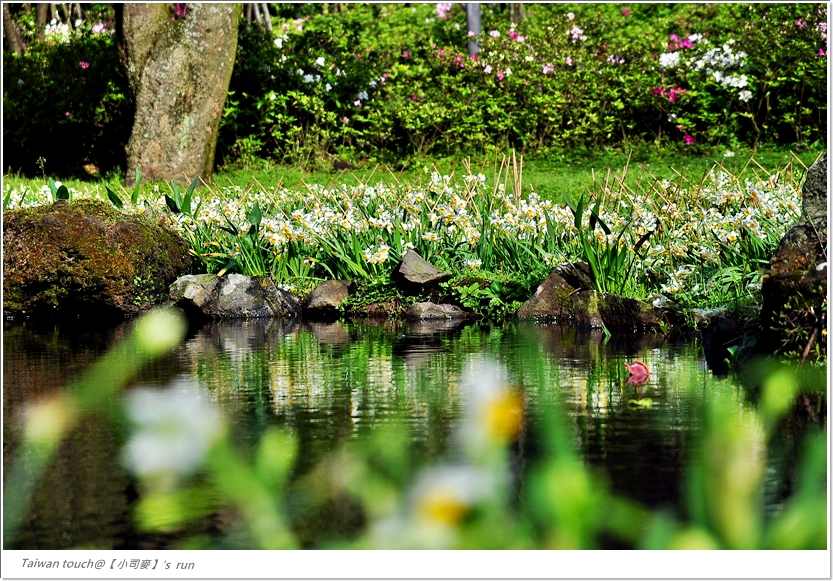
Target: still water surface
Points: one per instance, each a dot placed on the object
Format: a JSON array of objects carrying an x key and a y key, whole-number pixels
[{"x": 328, "y": 383}]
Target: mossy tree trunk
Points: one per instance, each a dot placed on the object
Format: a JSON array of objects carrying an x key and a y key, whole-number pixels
[{"x": 178, "y": 68}]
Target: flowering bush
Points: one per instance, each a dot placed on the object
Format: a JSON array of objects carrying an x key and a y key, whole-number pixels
[{"x": 389, "y": 81}]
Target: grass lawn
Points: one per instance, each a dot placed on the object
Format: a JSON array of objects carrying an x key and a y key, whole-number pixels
[{"x": 549, "y": 177}]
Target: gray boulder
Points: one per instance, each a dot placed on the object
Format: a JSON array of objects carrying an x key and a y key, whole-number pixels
[
  {"x": 594, "y": 310},
  {"x": 233, "y": 297},
  {"x": 428, "y": 311},
  {"x": 793, "y": 313},
  {"x": 415, "y": 274},
  {"x": 553, "y": 297},
  {"x": 325, "y": 298}
]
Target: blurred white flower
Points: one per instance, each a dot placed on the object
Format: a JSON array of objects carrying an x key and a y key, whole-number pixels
[{"x": 174, "y": 429}]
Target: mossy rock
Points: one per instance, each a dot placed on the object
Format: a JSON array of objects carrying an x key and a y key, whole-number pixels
[{"x": 84, "y": 256}]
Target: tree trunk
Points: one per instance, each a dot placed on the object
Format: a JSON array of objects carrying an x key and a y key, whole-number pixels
[
  {"x": 256, "y": 9},
  {"x": 41, "y": 16},
  {"x": 179, "y": 73},
  {"x": 473, "y": 25},
  {"x": 267, "y": 19},
  {"x": 516, "y": 13},
  {"x": 10, "y": 30}
]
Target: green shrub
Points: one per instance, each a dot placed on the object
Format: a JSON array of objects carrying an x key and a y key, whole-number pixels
[
  {"x": 390, "y": 81},
  {"x": 65, "y": 101}
]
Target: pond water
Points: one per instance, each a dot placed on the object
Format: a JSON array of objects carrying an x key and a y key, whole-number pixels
[{"x": 331, "y": 382}]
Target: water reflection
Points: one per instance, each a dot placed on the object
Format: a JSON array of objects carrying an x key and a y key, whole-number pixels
[{"x": 328, "y": 382}]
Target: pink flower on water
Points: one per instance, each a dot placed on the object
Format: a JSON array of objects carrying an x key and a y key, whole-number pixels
[
  {"x": 688, "y": 139},
  {"x": 626, "y": 12},
  {"x": 547, "y": 68},
  {"x": 637, "y": 373},
  {"x": 85, "y": 65}
]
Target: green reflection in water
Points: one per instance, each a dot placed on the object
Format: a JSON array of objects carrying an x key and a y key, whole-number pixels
[{"x": 335, "y": 383}]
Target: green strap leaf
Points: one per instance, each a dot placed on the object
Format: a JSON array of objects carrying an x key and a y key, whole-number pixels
[
  {"x": 579, "y": 212},
  {"x": 114, "y": 199},
  {"x": 174, "y": 207},
  {"x": 255, "y": 215},
  {"x": 135, "y": 197}
]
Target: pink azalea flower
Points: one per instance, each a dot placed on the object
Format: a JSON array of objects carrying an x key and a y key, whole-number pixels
[
  {"x": 800, "y": 23},
  {"x": 500, "y": 75},
  {"x": 344, "y": 119},
  {"x": 688, "y": 139},
  {"x": 570, "y": 15},
  {"x": 547, "y": 68},
  {"x": 494, "y": 33},
  {"x": 672, "y": 94},
  {"x": 513, "y": 35},
  {"x": 487, "y": 69},
  {"x": 405, "y": 54},
  {"x": 85, "y": 65},
  {"x": 821, "y": 52},
  {"x": 637, "y": 373},
  {"x": 626, "y": 12}
]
